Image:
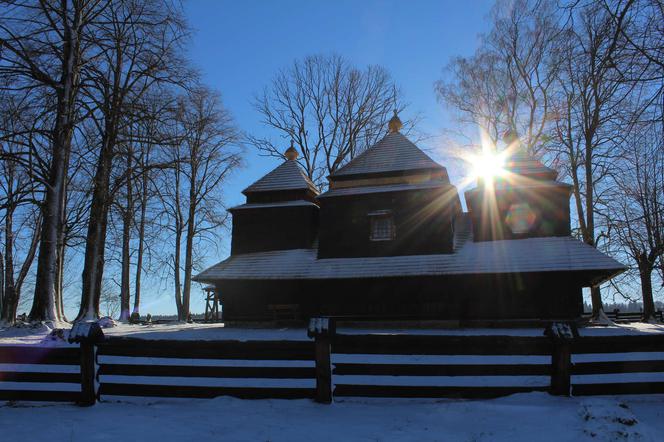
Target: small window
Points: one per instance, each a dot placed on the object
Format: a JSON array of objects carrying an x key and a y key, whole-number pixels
[{"x": 382, "y": 226}]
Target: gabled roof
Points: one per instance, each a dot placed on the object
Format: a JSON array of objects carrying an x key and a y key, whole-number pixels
[
  {"x": 287, "y": 176},
  {"x": 294, "y": 203},
  {"x": 522, "y": 163},
  {"x": 393, "y": 153},
  {"x": 346, "y": 191},
  {"x": 547, "y": 254}
]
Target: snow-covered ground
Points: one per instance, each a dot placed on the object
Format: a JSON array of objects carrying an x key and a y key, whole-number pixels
[
  {"x": 40, "y": 335},
  {"x": 523, "y": 417},
  {"x": 527, "y": 417}
]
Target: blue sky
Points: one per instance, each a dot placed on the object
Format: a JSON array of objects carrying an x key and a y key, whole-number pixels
[{"x": 239, "y": 46}]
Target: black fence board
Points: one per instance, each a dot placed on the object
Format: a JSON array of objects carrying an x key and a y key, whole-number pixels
[
  {"x": 348, "y": 390},
  {"x": 16, "y": 376},
  {"x": 23, "y": 354},
  {"x": 253, "y": 350},
  {"x": 47, "y": 396},
  {"x": 441, "y": 370},
  {"x": 618, "y": 388},
  {"x": 440, "y": 345},
  {"x": 111, "y": 389},
  {"x": 212, "y": 372},
  {"x": 617, "y": 367},
  {"x": 618, "y": 344}
]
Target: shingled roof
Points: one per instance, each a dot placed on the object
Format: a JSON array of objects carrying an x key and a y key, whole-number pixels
[
  {"x": 521, "y": 163},
  {"x": 554, "y": 254},
  {"x": 393, "y": 153},
  {"x": 287, "y": 176}
]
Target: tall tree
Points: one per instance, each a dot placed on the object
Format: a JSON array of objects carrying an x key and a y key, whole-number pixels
[
  {"x": 44, "y": 48},
  {"x": 329, "y": 108},
  {"x": 21, "y": 223},
  {"x": 589, "y": 106},
  {"x": 193, "y": 202},
  {"x": 636, "y": 212},
  {"x": 505, "y": 88},
  {"x": 139, "y": 45}
]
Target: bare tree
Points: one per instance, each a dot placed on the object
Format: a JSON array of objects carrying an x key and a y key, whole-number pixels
[
  {"x": 138, "y": 51},
  {"x": 505, "y": 88},
  {"x": 330, "y": 109},
  {"x": 21, "y": 228},
  {"x": 637, "y": 207},
  {"x": 44, "y": 47},
  {"x": 193, "y": 203},
  {"x": 590, "y": 104}
]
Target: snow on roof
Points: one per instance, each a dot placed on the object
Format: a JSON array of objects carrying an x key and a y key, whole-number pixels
[
  {"x": 506, "y": 256},
  {"x": 394, "y": 152},
  {"x": 287, "y": 176},
  {"x": 386, "y": 188},
  {"x": 293, "y": 203}
]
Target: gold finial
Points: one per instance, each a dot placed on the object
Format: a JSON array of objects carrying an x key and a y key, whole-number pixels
[
  {"x": 291, "y": 153},
  {"x": 395, "y": 124}
]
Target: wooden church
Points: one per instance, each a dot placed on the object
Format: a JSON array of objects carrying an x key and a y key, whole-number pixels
[{"x": 389, "y": 239}]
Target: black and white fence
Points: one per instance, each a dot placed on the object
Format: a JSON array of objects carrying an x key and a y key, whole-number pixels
[{"x": 335, "y": 365}]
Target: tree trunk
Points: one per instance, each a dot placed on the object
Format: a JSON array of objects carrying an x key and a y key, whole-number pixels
[
  {"x": 127, "y": 217},
  {"x": 43, "y": 306},
  {"x": 189, "y": 247},
  {"x": 2, "y": 286},
  {"x": 176, "y": 267},
  {"x": 62, "y": 244},
  {"x": 141, "y": 243},
  {"x": 645, "y": 273},
  {"x": 10, "y": 300}
]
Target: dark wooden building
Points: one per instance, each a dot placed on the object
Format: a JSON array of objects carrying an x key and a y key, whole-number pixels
[{"x": 389, "y": 239}]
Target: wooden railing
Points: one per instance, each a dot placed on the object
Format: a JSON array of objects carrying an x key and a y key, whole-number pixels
[
  {"x": 617, "y": 365},
  {"x": 32, "y": 373},
  {"x": 334, "y": 365},
  {"x": 205, "y": 369}
]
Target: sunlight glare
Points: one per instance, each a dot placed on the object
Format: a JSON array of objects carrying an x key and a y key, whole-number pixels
[{"x": 488, "y": 165}]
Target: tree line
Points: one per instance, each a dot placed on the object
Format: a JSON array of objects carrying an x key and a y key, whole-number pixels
[{"x": 108, "y": 139}]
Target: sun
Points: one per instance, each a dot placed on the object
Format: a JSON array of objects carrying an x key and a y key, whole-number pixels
[{"x": 488, "y": 165}]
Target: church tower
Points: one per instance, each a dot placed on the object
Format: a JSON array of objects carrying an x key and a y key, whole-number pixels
[{"x": 280, "y": 213}]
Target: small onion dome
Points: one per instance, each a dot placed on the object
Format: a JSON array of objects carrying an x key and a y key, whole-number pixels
[
  {"x": 395, "y": 123},
  {"x": 291, "y": 153}
]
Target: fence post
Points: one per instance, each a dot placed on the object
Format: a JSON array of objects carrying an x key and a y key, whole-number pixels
[
  {"x": 561, "y": 358},
  {"x": 320, "y": 330},
  {"x": 87, "y": 334}
]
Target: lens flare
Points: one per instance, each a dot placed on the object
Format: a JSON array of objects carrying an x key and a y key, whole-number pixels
[{"x": 488, "y": 165}]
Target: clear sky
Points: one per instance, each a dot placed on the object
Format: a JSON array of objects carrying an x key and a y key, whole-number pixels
[{"x": 239, "y": 46}]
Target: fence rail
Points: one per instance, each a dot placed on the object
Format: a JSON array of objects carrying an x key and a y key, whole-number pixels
[
  {"x": 335, "y": 365},
  {"x": 617, "y": 365},
  {"x": 40, "y": 373},
  {"x": 250, "y": 370},
  {"x": 418, "y": 366}
]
